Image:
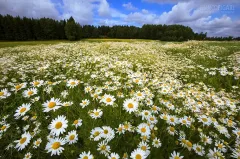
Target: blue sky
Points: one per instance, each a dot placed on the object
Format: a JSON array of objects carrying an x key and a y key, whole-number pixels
[{"x": 217, "y": 17}]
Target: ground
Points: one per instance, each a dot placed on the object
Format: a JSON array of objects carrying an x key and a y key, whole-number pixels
[{"x": 129, "y": 97}]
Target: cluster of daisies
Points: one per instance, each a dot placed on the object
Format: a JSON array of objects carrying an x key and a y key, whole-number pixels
[{"x": 113, "y": 100}]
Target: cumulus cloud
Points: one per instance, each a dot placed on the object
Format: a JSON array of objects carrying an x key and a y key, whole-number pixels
[
  {"x": 29, "y": 8},
  {"x": 104, "y": 9},
  {"x": 129, "y": 6}
]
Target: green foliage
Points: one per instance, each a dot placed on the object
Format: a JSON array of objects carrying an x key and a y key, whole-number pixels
[{"x": 71, "y": 30}]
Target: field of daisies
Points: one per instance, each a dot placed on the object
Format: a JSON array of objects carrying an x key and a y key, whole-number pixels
[{"x": 120, "y": 100}]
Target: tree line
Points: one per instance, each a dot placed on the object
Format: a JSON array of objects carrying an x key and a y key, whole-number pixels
[{"x": 21, "y": 29}]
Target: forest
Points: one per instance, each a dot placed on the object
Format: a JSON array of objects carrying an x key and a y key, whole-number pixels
[{"x": 23, "y": 29}]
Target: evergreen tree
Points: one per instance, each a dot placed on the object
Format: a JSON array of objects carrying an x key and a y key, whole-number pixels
[{"x": 71, "y": 29}]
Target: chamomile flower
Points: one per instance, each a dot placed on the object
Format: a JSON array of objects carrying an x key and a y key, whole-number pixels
[
  {"x": 143, "y": 129},
  {"x": 27, "y": 155},
  {"x": 96, "y": 113},
  {"x": 84, "y": 103},
  {"x": 113, "y": 156},
  {"x": 67, "y": 104},
  {"x": 86, "y": 155},
  {"x": 138, "y": 154},
  {"x": 96, "y": 133},
  {"x": 54, "y": 146},
  {"x": 72, "y": 83},
  {"x": 175, "y": 155},
  {"x": 171, "y": 130},
  {"x": 19, "y": 87},
  {"x": 108, "y": 99},
  {"x": 145, "y": 147},
  {"x": 199, "y": 149},
  {"x": 4, "y": 93},
  {"x": 4, "y": 128},
  {"x": 58, "y": 125},
  {"x": 104, "y": 148},
  {"x": 22, "y": 110},
  {"x": 130, "y": 105},
  {"x": 205, "y": 120},
  {"x": 215, "y": 154},
  {"x": 72, "y": 137},
  {"x": 156, "y": 143},
  {"x": 120, "y": 129},
  {"x": 77, "y": 123},
  {"x": 52, "y": 104},
  {"x": 23, "y": 142},
  {"x": 29, "y": 92},
  {"x": 37, "y": 83},
  {"x": 37, "y": 143}
]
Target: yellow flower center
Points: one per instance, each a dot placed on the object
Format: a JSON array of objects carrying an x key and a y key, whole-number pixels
[
  {"x": 139, "y": 94},
  {"x": 105, "y": 131},
  {"x": 130, "y": 105},
  {"x": 220, "y": 146},
  {"x": 36, "y": 83},
  {"x": 96, "y": 113},
  {"x": 3, "y": 127},
  {"x": 96, "y": 133},
  {"x": 164, "y": 117},
  {"x": 113, "y": 158},
  {"x": 37, "y": 142},
  {"x": 22, "y": 140},
  {"x": 184, "y": 121},
  {"x": 55, "y": 145},
  {"x": 171, "y": 129},
  {"x": 73, "y": 83},
  {"x": 152, "y": 119},
  {"x": 1, "y": 93},
  {"x": 143, "y": 130},
  {"x": 144, "y": 148},
  {"x": 22, "y": 110},
  {"x": 176, "y": 157},
  {"x": 17, "y": 87},
  {"x": 198, "y": 149},
  {"x": 108, "y": 100},
  {"x": 136, "y": 80},
  {"x": 75, "y": 122},
  {"x": 51, "y": 104},
  {"x": 85, "y": 157},
  {"x": 204, "y": 119},
  {"x": 71, "y": 137},
  {"x": 58, "y": 125},
  {"x": 30, "y": 93},
  {"x": 120, "y": 129},
  {"x": 154, "y": 108},
  {"x": 238, "y": 133},
  {"x": 138, "y": 156},
  {"x": 103, "y": 147},
  {"x": 189, "y": 144},
  {"x": 172, "y": 119}
]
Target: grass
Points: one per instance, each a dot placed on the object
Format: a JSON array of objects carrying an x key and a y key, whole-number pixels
[{"x": 4, "y": 44}]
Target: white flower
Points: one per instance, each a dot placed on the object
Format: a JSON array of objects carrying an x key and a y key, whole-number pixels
[
  {"x": 72, "y": 137},
  {"x": 58, "y": 125},
  {"x": 4, "y": 93},
  {"x": 54, "y": 146},
  {"x": 52, "y": 104},
  {"x": 22, "y": 110},
  {"x": 85, "y": 155},
  {"x": 23, "y": 142},
  {"x": 138, "y": 154},
  {"x": 130, "y": 105}
]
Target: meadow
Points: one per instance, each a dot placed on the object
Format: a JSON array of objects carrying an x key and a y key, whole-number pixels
[{"x": 120, "y": 99}]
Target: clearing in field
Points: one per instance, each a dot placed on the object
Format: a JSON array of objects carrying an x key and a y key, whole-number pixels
[{"x": 120, "y": 99}]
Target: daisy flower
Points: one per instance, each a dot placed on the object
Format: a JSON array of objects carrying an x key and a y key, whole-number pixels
[
  {"x": 107, "y": 133},
  {"x": 215, "y": 154},
  {"x": 113, "y": 156},
  {"x": 156, "y": 143},
  {"x": 205, "y": 120},
  {"x": 108, "y": 99},
  {"x": 138, "y": 154},
  {"x": 52, "y": 104},
  {"x": 87, "y": 89},
  {"x": 72, "y": 83},
  {"x": 22, "y": 110},
  {"x": 19, "y": 87},
  {"x": 29, "y": 92},
  {"x": 4, "y": 93},
  {"x": 145, "y": 147},
  {"x": 120, "y": 129},
  {"x": 172, "y": 120},
  {"x": 37, "y": 143},
  {"x": 143, "y": 129},
  {"x": 96, "y": 113},
  {"x": 58, "y": 125},
  {"x": 27, "y": 155},
  {"x": 72, "y": 137},
  {"x": 23, "y": 142},
  {"x": 37, "y": 83},
  {"x": 4, "y": 128},
  {"x": 175, "y": 155},
  {"x": 54, "y": 146},
  {"x": 96, "y": 133},
  {"x": 67, "y": 104},
  {"x": 104, "y": 148},
  {"x": 77, "y": 123},
  {"x": 84, "y": 103},
  {"x": 130, "y": 105},
  {"x": 86, "y": 155},
  {"x": 145, "y": 114},
  {"x": 199, "y": 149}
]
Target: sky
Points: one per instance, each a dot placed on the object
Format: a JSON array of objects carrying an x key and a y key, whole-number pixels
[{"x": 216, "y": 17}]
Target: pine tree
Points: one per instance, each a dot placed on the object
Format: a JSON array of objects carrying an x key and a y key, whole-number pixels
[{"x": 71, "y": 29}]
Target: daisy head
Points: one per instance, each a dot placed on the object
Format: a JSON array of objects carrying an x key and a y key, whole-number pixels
[
  {"x": 52, "y": 104},
  {"x": 54, "y": 146},
  {"x": 77, "y": 123},
  {"x": 130, "y": 105},
  {"x": 86, "y": 155},
  {"x": 22, "y": 110},
  {"x": 72, "y": 137},
  {"x": 138, "y": 154},
  {"x": 23, "y": 142},
  {"x": 58, "y": 125}
]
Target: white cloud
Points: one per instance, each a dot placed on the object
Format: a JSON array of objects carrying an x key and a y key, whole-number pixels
[
  {"x": 129, "y": 6},
  {"x": 104, "y": 9},
  {"x": 29, "y": 8}
]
